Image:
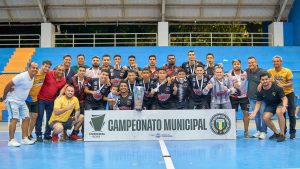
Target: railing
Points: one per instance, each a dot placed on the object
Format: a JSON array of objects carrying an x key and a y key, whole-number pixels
[
  {"x": 20, "y": 40},
  {"x": 106, "y": 39},
  {"x": 220, "y": 39}
]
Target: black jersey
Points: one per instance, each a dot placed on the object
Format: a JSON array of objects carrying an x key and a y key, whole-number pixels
[
  {"x": 163, "y": 95},
  {"x": 101, "y": 89},
  {"x": 182, "y": 89},
  {"x": 196, "y": 87},
  {"x": 116, "y": 75},
  {"x": 272, "y": 96},
  {"x": 191, "y": 69},
  {"x": 126, "y": 103}
]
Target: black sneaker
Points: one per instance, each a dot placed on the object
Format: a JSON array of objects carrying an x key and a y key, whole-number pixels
[
  {"x": 31, "y": 138},
  {"x": 281, "y": 138},
  {"x": 292, "y": 135},
  {"x": 39, "y": 139},
  {"x": 48, "y": 138},
  {"x": 274, "y": 136}
]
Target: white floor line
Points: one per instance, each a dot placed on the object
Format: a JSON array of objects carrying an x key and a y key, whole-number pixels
[{"x": 166, "y": 155}]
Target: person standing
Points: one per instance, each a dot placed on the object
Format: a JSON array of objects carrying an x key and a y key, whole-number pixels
[
  {"x": 283, "y": 77},
  {"x": 197, "y": 83},
  {"x": 14, "y": 95},
  {"x": 80, "y": 62},
  {"x": 239, "y": 98},
  {"x": 221, "y": 87},
  {"x": 190, "y": 66},
  {"x": 253, "y": 77},
  {"x": 53, "y": 83},
  {"x": 95, "y": 70},
  {"x": 32, "y": 100}
]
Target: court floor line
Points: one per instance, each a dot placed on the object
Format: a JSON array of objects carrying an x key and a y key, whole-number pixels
[{"x": 166, "y": 155}]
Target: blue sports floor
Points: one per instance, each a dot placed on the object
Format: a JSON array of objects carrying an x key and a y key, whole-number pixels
[{"x": 241, "y": 154}]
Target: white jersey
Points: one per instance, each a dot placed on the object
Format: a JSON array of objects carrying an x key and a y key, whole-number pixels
[{"x": 22, "y": 85}]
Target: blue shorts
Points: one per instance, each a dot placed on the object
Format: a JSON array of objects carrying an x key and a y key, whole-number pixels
[{"x": 16, "y": 110}]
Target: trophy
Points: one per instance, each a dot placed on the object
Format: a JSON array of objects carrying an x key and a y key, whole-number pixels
[{"x": 138, "y": 98}]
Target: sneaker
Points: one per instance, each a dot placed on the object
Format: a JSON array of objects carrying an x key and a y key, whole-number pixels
[
  {"x": 281, "y": 138},
  {"x": 13, "y": 143},
  {"x": 54, "y": 138},
  {"x": 31, "y": 138},
  {"x": 262, "y": 136},
  {"x": 292, "y": 135},
  {"x": 64, "y": 137},
  {"x": 26, "y": 141},
  {"x": 256, "y": 135},
  {"x": 75, "y": 137},
  {"x": 47, "y": 137},
  {"x": 274, "y": 136},
  {"x": 246, "y": 134},
  {"x": 39, "y": 139}
]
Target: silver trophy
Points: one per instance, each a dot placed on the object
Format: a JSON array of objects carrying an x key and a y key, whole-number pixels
[{"x": 138, "y": 98}]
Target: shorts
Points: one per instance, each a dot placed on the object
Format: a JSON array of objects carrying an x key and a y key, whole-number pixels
[
  {"x": 99, "y": 106},
  {"x": 67, "y": 125},
  {"x": 202, "y": 104},
  {"x": 17, "y": 110},
  {"x": 220, "y": 106},
  {"x": 271, "y": 108},
  {"x": 81, "y": 109},
  {"x": 32, "y": 106},
  {"x": 243, "y": 102}
]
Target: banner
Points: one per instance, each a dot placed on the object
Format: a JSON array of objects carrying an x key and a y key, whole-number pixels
[{"x": 113, "y": 125}]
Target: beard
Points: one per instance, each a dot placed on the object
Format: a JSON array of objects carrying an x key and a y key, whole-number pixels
[
  {"x": 172, "y": 63},
  {"x": 95, "y": 65}
]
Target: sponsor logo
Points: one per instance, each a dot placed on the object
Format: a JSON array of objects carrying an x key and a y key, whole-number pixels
[
  {"x": 97, "y": 122},
  {"x": 220, "y": 124}
]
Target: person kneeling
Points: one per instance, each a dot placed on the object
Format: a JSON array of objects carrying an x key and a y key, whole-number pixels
[
  {"x": 276, "y": 102},
  {"x": 61, "y": 117}
]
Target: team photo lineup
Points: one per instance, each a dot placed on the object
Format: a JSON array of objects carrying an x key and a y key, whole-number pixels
[{"x": 64, "y": 92}]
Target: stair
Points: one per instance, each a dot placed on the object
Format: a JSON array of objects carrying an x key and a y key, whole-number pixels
[
  {"x": 17, "y": 63},
  {"x": 19, "y": 60}
]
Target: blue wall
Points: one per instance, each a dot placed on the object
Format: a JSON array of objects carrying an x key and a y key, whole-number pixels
[
  {"x": 291, "y": 55},
  {"x": 295, "y": 20}
]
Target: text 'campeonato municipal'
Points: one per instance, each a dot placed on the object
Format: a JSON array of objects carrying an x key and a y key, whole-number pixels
[{"x": 156, "y": 124}]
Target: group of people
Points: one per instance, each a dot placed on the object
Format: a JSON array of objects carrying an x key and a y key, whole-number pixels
[{"x": 65, "y": 92}]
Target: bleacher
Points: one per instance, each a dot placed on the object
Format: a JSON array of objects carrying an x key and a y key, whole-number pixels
[
  {"x": 5, "y": 54},
  {"x": 223, "y": 55}
]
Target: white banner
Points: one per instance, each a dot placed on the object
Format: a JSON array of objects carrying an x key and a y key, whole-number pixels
[{"x": 114, "y": 125}]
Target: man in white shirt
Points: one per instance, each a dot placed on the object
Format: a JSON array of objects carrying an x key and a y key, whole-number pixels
[{"x": 14, "y": 95}]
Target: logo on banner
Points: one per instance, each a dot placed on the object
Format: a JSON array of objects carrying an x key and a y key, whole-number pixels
[
  {"x": 97, "y": 122},
  {"x": 220, "y": 124}
]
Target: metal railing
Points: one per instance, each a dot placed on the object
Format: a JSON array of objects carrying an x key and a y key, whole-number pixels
[
  {"x": 220, "y": 39},
  {"x": 105, "y": 39},
  {"x": 20, "y": 40}
]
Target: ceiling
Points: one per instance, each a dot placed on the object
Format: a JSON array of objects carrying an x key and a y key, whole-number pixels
[{"x": 71, "y": 11}]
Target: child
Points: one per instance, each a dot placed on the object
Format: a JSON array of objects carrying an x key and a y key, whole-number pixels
[{"x": 113, "y": 96}]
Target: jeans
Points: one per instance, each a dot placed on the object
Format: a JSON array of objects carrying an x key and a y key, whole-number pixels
[
  {"x": 48, "y": 106},
  {"x": 260, "y": 123}
]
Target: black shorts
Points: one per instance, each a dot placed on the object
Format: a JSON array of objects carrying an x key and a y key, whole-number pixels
[
  {"x": 272, "y": 108},
  {"x": 89, "y": 106},
  {"x": 32, "y": 107},
  {"x": 202, "y": 104},
  {"x": 66, "y": 125},
  {"x": 243, "y": 102}
]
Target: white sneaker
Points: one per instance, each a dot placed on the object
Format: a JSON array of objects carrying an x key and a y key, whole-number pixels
[
  {"x": 257, "y": 134},
  {"x": 27, "y": 141},
  {"x": 13, "y": 143},
  {"x": 262, "y": 136}
]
